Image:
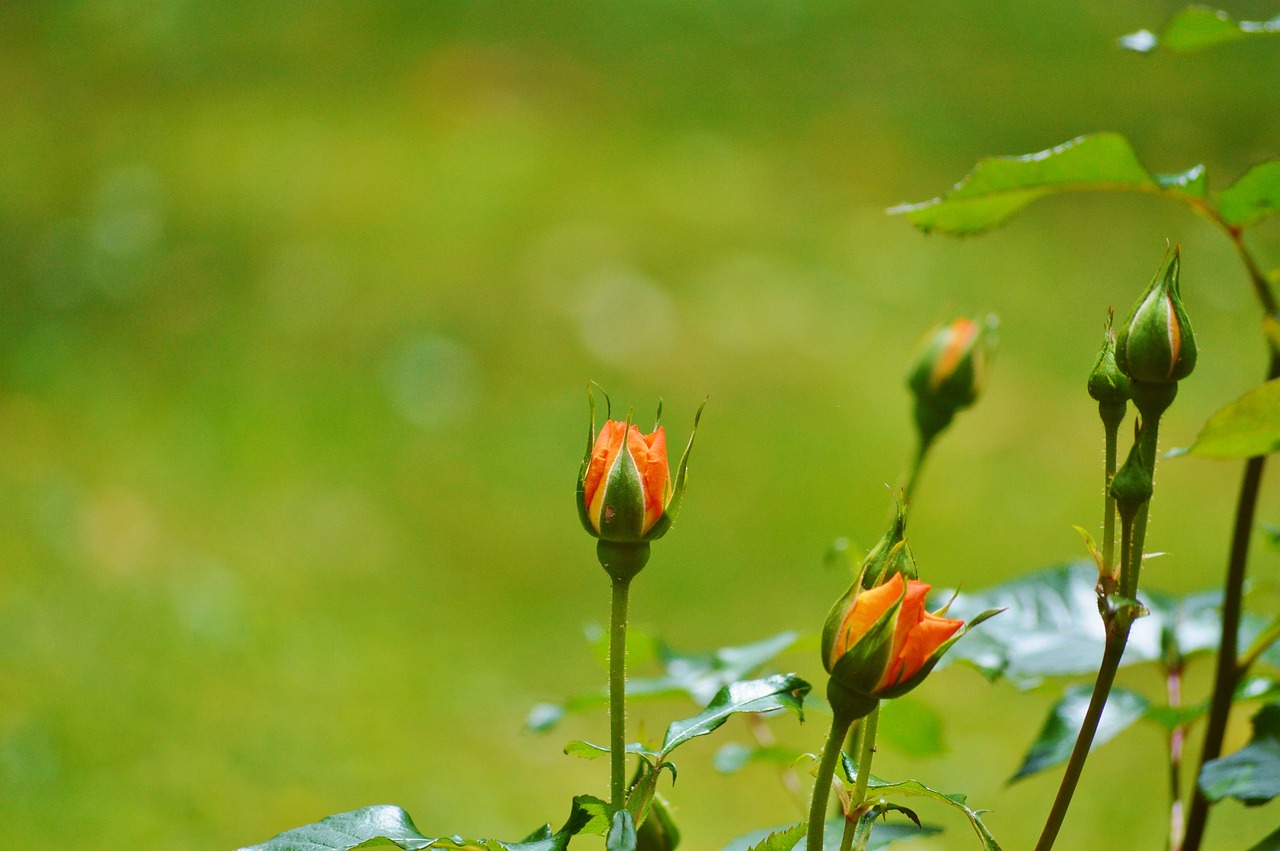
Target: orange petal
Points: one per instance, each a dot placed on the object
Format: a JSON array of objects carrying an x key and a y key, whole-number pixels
[
  {"x": 962, "y": 333},
  {"x": 926, "y": 637},
  {"x": 602, "y": 456},
  {"x": 868, "y": 608},
  {"x": 656, "y": 475},
  {"x": 911, "y": 613}
]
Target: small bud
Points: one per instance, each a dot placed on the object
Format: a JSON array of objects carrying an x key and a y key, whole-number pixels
[
  {"x": 949, "y": 371},
  {"x": 881, "y": 643},
  {"x": 1107, "y": 384},
  {"x": 626, "y": 494},
  {"x": 1156, "y": 344},
  {"x": 1133, "y": 483}
]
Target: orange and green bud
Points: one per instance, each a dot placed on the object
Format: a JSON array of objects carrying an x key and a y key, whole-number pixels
[
  {"x": 949, "y": 371},
  {"x": 1156, "y": 344},
  {"x": 881, "y": 642},
  {"x": 626, "y": 494}
]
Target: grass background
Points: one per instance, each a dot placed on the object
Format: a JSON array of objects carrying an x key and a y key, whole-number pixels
[{"x": 299, "y": 301}]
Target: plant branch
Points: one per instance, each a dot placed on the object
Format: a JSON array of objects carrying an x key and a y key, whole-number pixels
[
  {"x": 822, "y": 785},
  {"x": 618, "y": 693}
]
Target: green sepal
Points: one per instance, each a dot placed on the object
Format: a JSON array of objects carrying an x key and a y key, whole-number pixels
[
  {"x": 583, "y": 515},
  {"x": 1107, "y": 384},
  {"x": 663, "y": 524},
  {"x": 891, "y": 556},
  {"x": 622, "y": 500}
]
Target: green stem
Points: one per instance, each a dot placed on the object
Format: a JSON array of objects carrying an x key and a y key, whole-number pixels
[
  {"x": 1111, "y": 428},
  {"x": 1226, "y": 674},
  {"x": 1177, "y": 739},
  {"x": 618, "y": 693},
  {"x": 866, "y": 751},
  {"x": 822, "y": 786},
  {"x": 850, "y": 831},
  {"x": 1101, "y": 689},
  {"x": 917, "y": 466}
]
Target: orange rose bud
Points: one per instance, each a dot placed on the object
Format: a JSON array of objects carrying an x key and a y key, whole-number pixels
[
  {"x": 881, "y": 642},
  {"x": 627, "y": 484},
  {"x": 627, "y": 495}
]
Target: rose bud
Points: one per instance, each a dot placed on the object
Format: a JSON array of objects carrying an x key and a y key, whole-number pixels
[
  {"x": 949, "y": 371},
  {"x": 881, "y": 643},
  {"x": 1156, "y": 344}
]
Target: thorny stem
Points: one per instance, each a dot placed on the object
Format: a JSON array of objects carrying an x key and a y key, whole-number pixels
[
  {"x": 1111, "y": 428},
  {"x": 866, "y": 752}
]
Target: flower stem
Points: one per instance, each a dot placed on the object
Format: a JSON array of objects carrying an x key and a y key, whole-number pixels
[
  {"x": 1226, "y": 675},
  {"x": 1111, "y": 430},
  {"x": 1111, "y": 655},
  {"x": 822, "y": 786},
  {"x": 618, "y": 693}
]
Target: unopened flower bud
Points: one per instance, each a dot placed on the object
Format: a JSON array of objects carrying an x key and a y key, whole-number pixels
[
  {"x": 1156, "y": 344},
  {"x": 1107, "y": 384},
  {"x": 881, "y": 642},
  {"x": 949, "y": 371}
]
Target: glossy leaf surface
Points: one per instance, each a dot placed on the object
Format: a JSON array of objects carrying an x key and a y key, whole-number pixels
[
  {"x": 781, "y": 691},
  {"x": 1057, "y": 737},
  {"x": 998, "y": 187}
]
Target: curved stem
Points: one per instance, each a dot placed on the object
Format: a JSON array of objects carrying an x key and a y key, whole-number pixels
[
  {"x": 618, "y": 694},
  {"x": 822, "y": 785},
  {"x": 1101, "y": 689},
  {"x": 1226, "y": 673}
]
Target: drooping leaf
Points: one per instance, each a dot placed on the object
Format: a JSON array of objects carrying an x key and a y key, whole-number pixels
[
  {"x": 595, "y": 814},
  {"x": 884, "y": 836},
  {"x": 1199, "y": 27},
  {"x": 1051, "y": 625},
  {"x": 1254, "y": 196},
  {"x": 780, "y": 691},
  {"x": 695, "y": 675},
  {"x": 998, "y": 187},
  {"x": 1057, "y": 737},
  {"x": 914, "y": 788},
  {"x": 1251, "y": 774},
  {"x": 1248, "y": 426}
]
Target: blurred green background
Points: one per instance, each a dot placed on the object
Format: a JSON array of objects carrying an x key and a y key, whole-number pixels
[{"x": 299, "y": 305}]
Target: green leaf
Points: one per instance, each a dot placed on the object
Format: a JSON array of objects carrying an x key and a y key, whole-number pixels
[
  {"x": 595, "y": 814},
  {"x": 1248, "y": 426},
  {"x": 884, "y": 836},
  {"x": 998, "y": 187},
  {"x": 914, "y": 788},
  {"x": 1198, "y": 27},
  {"x": 366, "y": 827},
  {"x": 386, "y": 825},
  {"x": 1051, "y": 626},
  {"x": 697, "y": 676},
  {"x": 780, "y": 691},
  {"x": 782, "y": 840},
  {"x": 658, "y": 832},
  {"x": 1253, "y": 197},
  {"x": 1058, "y": 736},
  {"x": 1251, "y": 774},
  {"x": 622, "y": 833},
  {"x": 588, "y": 750}
]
